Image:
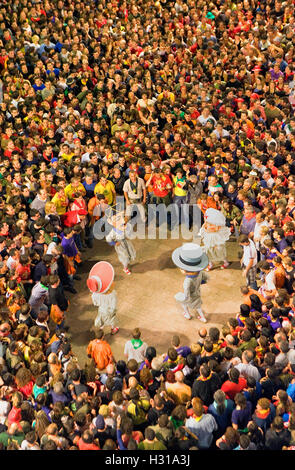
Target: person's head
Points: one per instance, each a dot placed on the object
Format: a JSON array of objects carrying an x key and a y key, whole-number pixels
[
  {"x": 198, "y": 407},
  {"x": 163, "y": 420},
  {"x": 278, "y": 424},
  {"x": 136, "y": 333},
  {"x": 240, "y": 400},
  {"x": 132, "y": 365},
  {"x": 205, "y": 371},
  {"x": 219, "y": 398},
  {"x": 134, "y": 394},
  {"x": 202, "y": 333},
  {"x": 263, "y": 404},
  {"x": 172, "y": 354},
  {"x": 87, "y": 436},
  {"x": 232, "y": 436},
  {"x": 243, "y": 240},
  {"x": 17, "y": 399},
  {"x": 150, "y": 353},
  {"x": 214, "y": 334},
  {"x": 149, "y": 434},
  {"x": 244, "y": 441},
  {"x": 234, "y": 375}
]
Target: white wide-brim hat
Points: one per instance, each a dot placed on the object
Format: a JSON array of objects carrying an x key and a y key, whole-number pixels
[
  {"x": 190, "y": 257},
  {"x": 214, "y": 217}
]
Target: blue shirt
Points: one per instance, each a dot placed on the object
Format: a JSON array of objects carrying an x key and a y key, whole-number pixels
[
  {"x": 39, "y": 88},
  {"x": 291, "y": 391},
  {"x": 223, "y": 420},
  {"x": 242, "y": 417}
]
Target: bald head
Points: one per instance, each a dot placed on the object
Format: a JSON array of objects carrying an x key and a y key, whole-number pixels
[
  {"x": 230, "y": 340},
  {"x": 110, "y": 369},
  {"x": 132, "y": 382},
  {"x": 202, "y": 332},
  {"x": 179, "y": 376}
]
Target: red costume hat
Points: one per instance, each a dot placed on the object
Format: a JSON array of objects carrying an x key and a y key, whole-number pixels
[{"x": 100, "y": 277}]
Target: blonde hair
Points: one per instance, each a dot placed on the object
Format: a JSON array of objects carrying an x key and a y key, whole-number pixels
[
  {"x": 288, "y": 261},
  {"x": 48, "y": 207},
  {"x": 264, "y": 230},
  {"x": 196, "y": 348},
  {"x": 104, "y": 410}
]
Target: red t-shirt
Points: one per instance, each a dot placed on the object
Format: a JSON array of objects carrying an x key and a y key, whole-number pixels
[
  {"x": 27, "y": 389},
  {"x": 14, "y": 416},
  {"x": 160, "y": 185},
  {"x": 231, "y": 389},
  {"x": 84, "y": 446},
  {"x": 23, "y": 272}
]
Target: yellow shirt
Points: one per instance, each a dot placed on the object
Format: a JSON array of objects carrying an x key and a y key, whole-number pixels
[
  {"x": 59, "y": 203},
  {"x": 67, "y": 156},
  {"x": 178, "y": 191},
  {"x": 106, "y": 190},
  {"x": 69, "y": 190}
]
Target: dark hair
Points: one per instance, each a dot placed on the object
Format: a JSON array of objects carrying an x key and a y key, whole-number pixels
[
  {"x": 240, "y": 400},
  {"x": 244, "y": 441},
  {"x": 234, "y": 375},
  {"x": 149, "y": 434},
  {"x": 134, "y": 394},
  {"x": 150, "y": 353},
  {"x": 214, "y": 334},
  {"x": 244, "y": 310},
  {"x": 256, "y": 303},
  {"x": 205, "y": 370}
]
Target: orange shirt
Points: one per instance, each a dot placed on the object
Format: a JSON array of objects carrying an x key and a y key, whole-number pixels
[
  {"x": 279, "y": 277},
  {"x": 91, "y": 206},
  {"x": 101, "y": 352},
  {"x": 146, "y": 178},
  {"x": 246, "y": 297}
]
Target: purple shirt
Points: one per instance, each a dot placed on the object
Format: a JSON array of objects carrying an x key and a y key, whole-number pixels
[
  {"x": 69, "y": 247},
  {"x": 247, "y": 225}
]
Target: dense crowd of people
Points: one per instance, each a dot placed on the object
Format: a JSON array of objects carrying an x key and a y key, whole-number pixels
[{"x": 165, "y": 101}]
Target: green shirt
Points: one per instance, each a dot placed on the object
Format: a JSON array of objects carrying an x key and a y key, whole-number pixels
[
  {"x": 155, "y": 445},
  {"x": 248, "y": 345},
  {"x": 6, "y": 438}
]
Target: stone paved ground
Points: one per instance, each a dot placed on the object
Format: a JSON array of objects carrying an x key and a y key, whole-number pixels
[{"x": 146, "y": 298}]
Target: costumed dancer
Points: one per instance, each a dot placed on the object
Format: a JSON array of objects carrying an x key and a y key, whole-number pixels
[
  {"x": 191, "y": 260},
  {"x": 214, "y": 234},
  {"x": 117, "y": 237},
  {"x": 100, "y": 282}
]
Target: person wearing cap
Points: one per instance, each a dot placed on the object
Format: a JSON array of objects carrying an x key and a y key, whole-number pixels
[
  {"x": 191, "y": 260},
  {"x": 101, "y": 430},
  {"x": 100, "y": 284},
  {"x": 214, "y": 234}
]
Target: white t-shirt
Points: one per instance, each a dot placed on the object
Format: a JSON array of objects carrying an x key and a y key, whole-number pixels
[
  {"x": 250, "y": 252},
  {"x": 132, "y": 353},
  {"x": 256, "y": 232},
  {"x": 269, "y": 281},
  {"x": 5, "y": 407},
  {"x": 51, "y": 247}
]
